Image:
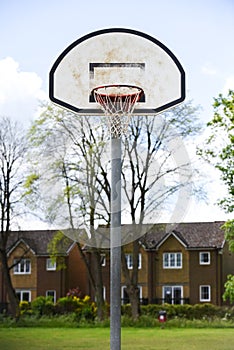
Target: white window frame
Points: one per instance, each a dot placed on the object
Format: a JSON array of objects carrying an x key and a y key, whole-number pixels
[
  {"x": 22, "y": 266},
  {"x": 172, "y": 256},
  {"x": 202, "y": 262},
  {"x": 129, "y": 259},
  {"x": 103, "y": 259},
  {"x": 50, "y": 265},
  {"x": 172, "y": 293},
  {"x": 209, "y": 292},
  {"x": 124, "y": 287},
  {"x": 104, "y": 292},
  {"x": 53, "y": 296},
  {"x": 21, "y": 292}
]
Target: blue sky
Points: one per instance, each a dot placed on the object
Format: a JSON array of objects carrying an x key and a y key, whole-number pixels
[
  {"x": 33, "y": 34},
  {"x": 199, "y": 33}
]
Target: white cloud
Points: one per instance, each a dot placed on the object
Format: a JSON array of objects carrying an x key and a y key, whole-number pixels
[{"x": 20, "y": 91}]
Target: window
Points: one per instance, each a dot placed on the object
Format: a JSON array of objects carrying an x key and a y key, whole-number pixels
[
  {"x": 205, "y": 293},
  {"x": 50, "y": 265},
  {"x": 204, "y": 258},
  {"x": 125, "y": 297},
  {"x": 23, "y": 295},
  {"x": 172, "y": 260},
  {"x": 129, "y": 259},
  {"x": 104, "y": 292},
  {"x": 173, "y": 294},
  {"x": 22, "y": 266},
  {"x": 103, "y": 259},
  {"x": 52, "y": 294}
]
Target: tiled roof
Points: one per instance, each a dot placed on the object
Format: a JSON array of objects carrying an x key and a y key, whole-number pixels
[
  {"x": 38, "y": 241},
  {"x": 193, "y": 235}
]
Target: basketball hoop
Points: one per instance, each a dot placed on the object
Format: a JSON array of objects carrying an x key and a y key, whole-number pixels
[{"x": 118, "y": 103}]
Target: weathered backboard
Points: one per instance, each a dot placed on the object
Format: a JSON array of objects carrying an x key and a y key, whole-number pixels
[{"x": 117, "y": 56}]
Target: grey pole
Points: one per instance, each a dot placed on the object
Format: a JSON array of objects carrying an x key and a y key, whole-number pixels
[{"x": 115, "y": 245}]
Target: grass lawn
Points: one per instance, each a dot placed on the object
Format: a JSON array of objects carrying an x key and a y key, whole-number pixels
[{"x": 132, "y": 339}]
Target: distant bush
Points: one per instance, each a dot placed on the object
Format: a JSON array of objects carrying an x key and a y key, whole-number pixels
[
  {"x": 82, "y": 308},
  {"x": 66, "y": 305},
  {"x": 190, "y": 312},
  {"x": 43, "y": 306},
  {"x": 25, "y": 308},
  {"x": 81, "y": 311}
]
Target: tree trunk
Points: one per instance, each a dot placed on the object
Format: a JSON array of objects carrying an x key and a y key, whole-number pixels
[
  {"x": 133, "y": 294},
  {"x": 98, "y": 285},
  {"x": 95, "y": 278},
  {"x": 131, "y": 281},
  {"x": 133, "y": 291},
  {"x": 13, "y": 301}
]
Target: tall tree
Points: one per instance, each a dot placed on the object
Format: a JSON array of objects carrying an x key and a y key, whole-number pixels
[
  {"x": 148, "y": 154},
  {"x": 13, "y": 150},
  {"x": 70, "y": 152},
  {"x": 156, "y": 167},
  {"x": 218, "y": 150}
]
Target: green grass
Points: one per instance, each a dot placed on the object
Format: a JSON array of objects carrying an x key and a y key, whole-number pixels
[{"x": 132, "y": 339}]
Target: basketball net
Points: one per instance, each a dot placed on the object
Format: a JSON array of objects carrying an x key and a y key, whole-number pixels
[{"x": 118, "y": 103}]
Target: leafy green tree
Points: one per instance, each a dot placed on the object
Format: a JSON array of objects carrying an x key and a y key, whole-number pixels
[
  {"x": 229, "y": 289},
  {"x": 218, "y": 148},
  {"x": 219, "y": 151}
]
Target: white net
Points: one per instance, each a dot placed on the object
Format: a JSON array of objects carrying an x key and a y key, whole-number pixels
[{"x": 118, "y": 103}]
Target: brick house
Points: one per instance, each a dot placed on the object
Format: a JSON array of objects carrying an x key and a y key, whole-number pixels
[
  {"x": 34, "y": 273},
  {"x": 188, "y": 264}
]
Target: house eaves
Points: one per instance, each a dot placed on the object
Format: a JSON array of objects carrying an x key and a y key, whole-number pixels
[
  {"x": 176, "y": 235},
  {"x": 17, "y": 243}
]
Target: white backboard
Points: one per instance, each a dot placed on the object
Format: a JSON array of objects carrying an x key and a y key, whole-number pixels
[{"x": 117, "y": 56}]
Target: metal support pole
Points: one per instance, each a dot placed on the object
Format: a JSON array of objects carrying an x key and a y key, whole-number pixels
[{"x": 115, "y": 245}]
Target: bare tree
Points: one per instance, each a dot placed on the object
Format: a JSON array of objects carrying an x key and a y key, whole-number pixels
[
  {"x": 153, "y": 174},
  {"x": 12, "y": 156},
  {"x": 89, "y": 147},
  {"x": 72, "y": 149},
  {"x": 72, "y": 183}
]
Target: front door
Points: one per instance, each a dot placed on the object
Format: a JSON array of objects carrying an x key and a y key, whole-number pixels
[{"x": 173, "y": 294}]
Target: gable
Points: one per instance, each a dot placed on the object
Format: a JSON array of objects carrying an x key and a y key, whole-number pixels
[
  {"x": 38, "y": 241},
  {"x": 172, "y": 239},
  {"x": 21, "y": 247},
  {"x": 195, "y": 235}
]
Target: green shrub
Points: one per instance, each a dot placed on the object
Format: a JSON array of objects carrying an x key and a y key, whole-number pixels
[
  {"x": 25, "y": 308},
  {"x": 151, "y": 310},
  {"x": 126, "y": 310},
  {"x": 67, "y": 305},
  {"x": 190, "y": 312},
  {"x": 204, "y": 311},
  {"x": 43, "y": 306},
  {"x": 82, "y": 308}
]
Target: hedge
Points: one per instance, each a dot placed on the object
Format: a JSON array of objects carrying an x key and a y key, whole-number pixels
[{"x": 84, "y": 308}]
